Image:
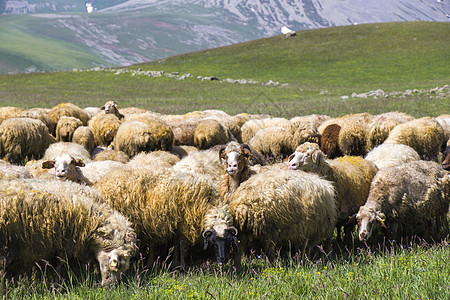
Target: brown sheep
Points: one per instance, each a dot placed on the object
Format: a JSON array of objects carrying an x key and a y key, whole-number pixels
[
  {"x": 66, "y": 127},
  {"x": 329, "y": 141},
  {"x": 104, "y": 128}
]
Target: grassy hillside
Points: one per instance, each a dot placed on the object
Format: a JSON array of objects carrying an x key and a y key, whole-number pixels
[{"x": 319, "y": 67}]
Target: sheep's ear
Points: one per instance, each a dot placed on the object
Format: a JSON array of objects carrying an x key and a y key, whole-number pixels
[
  {"x": 248, "y": 154},
  {"x": 316, "y": 157},
  {"x": 352, "y": 219},
  {"x": 79, "y": 162},
  {"x": 102, "y": 108},
  {"x": 381, "y": 218},
  {"x": 48, "y": 164}
]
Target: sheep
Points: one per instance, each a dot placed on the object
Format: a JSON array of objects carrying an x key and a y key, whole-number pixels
[
  {"x": 75, "y": 150},
  {"x": 96, "y": 170},
  {"x": 132, "y": 110},
  {"x": 9, "y": 171},
  {"x": 218, "y": 231},
  {"x": 91, "y": 111},
  {"x": 65, "y": 128},
  {"x": 182, "y": 151},
  {"x": 424, "y": 135},
  {"x": 52, "y": 220},
  {"x": 69, "y": 110},
  {"x": 353, "y": 134},
  {"x": 329, "y": 141},
  {"x": 183, "y": 130},
  {"x": 66, "y": 168},
  {"x": 111, "y": 107},
  {"x": 159, "y": 158},
  {"x": 306, "y": 132},
  {"x": 251, "y": 127},
  {"x": 381, "y": 125},
  {"x": 22, "y": 138},
  {"x": 7, "y": 112},
  {"x": 390, "y": 155},
  {"x": 210, "y": 133},
  {"x": 314, "y": 119},
  {"x": 274, "y": 143},
  {"x": 444, "y": 121},
  {"x": 161, "y": 132},
  {"x": 407, "y": 196},
  {"x": 205, "y": 162},
  {"x": 351, "y": 176},
  {"x": 283, "y": 208},
  {"x": 103, "y": 153},
  {"x": 133, "y": 137},
  {"x": 84, "y": 136},
  {"x": 104, "y": 128},
  {"x": 163, "y": 205},
  {"x": 40, "y": 114}
]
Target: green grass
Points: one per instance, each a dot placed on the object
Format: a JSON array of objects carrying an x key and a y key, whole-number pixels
[
  {"x": 319, "y": 66},
  {"x": 418, "y": 272}
]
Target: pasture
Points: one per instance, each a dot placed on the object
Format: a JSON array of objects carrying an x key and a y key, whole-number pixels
[{"x": 316, "y": 70}]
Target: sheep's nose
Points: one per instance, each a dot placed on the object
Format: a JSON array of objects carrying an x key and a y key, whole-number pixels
[
  {"x": 363, "y": 235},
  {"x": 293, "y": 166}
]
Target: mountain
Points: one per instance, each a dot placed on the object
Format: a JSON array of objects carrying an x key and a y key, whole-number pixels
[{"x": 60, "y": 34}]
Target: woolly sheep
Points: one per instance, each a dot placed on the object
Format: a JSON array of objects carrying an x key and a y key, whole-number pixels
[
  {"x": 251, "y": 127},
  {"x": 314, "y": 119},
  {"x": 329, "y": 141},
  {"x": 23, "y": 137},
  {"x": 104, "y": 128},
  {"x": 133, "y": 137},
  {"x": 381, "y": 125},
  {"x": 84, "y": 136},
  {"x": 96, "y": 170},
  {"x": 284, "y": 208},
  {"x": 424, "y": 135},
  {"x": 99, "y": 154},
  {"x": 446, "y": 161},
  {"x": 390, "y": 155},
  {"x": 48, "y": 220},
  {"x": 353, "y": 134},
  {"x": 351, "y": 176},
  {"x": 162, "y": 205},
  {"x": 182, "y": 151},
  {"x": 210, "y": 133},
  {"x": 91, "y": 111},
  {"x": 40, "y": 114},
  {"x": 205, "y": 162},
  {"x": 407, "y": 196},
  {"x": 77, "y": 151},
  {"x": 69, "y": 110},
  {"x": 444, "y": 121},
  {"x": 161, "y": 132},
  {"x": 305, "y": 132},
  {"x": 65, "y": 128},
  {"x": 7, "y": 112},
  {"x": 9, "y": 171},
  {"x": 66, "y": 168},
  {"x": 111, "y": 107},
  {"x": 274, "y": 143},
  {"x": 158, "y": 158}
]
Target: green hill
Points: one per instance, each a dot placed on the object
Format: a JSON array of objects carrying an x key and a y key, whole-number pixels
[{"x": 317, "y": 71}]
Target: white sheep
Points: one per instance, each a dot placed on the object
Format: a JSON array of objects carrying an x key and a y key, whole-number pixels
[
  {"x": 50, "y": 220},
  {"x": 274, "y": 143},
  {"x": 351, "y": 176},
  {"x": 390, "y": 155}
]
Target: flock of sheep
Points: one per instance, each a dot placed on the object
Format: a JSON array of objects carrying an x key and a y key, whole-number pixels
[{"x": 105, "y": 184}]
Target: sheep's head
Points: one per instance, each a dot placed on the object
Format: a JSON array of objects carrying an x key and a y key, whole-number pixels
[
  {"x": 236, "y": 157},
  {"x": 110, "y": 107},
  {"x": 366, "y": 219},
  {"x": 446, "y": 162},
  {"x": 65, "y": 166},
  {"x": 224, "y": 239},
  {"x": 306, "y": 157}
]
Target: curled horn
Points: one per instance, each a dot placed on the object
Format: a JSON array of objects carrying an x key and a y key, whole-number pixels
[
  {"x": 233, "y": 229},
  {"x": 222, "y": 148},
  {"x": 204, "y": 234}
]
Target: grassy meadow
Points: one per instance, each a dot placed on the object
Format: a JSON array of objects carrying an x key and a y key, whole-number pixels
[{"x": 315, "y": 69}]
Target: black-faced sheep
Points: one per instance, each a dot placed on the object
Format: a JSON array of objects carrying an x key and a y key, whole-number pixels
[
  {"x": 390, "y": 155},
  {"x": 410, "y": 196},
  {"x": 23, "y": 137},
  {"x": 111, "y": 107},
  {"x": 66, "y": 127},
  {"x": 424, "y": 135},
  {"x": 351, "y": 176},
  {"x": 52, "y": 220}
]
